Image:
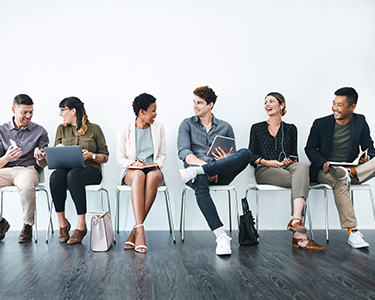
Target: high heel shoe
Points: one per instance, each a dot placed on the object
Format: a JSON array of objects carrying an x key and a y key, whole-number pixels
[
  {"x": 140, "y": 247},
  {"x": 64, "y": 232},
  {"x": 129, "y": 244}
]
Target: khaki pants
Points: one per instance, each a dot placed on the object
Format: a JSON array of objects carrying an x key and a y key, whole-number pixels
[
  {"x": 341, "y": 191},
  {"x": 25, "y": 178},
  {"x": 295, "y": 176}
]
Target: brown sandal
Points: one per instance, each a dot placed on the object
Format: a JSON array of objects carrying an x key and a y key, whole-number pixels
[
  {"x": 296, "y": 227},
  {"x": 311, "y": 245}
]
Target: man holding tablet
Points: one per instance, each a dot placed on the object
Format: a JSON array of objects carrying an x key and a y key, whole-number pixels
[
  {"x": 195, "y": 137},
  {"x": 21, "y": 159}
]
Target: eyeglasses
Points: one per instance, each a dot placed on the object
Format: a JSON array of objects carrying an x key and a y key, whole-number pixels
[{"x": 62, "y": 109}]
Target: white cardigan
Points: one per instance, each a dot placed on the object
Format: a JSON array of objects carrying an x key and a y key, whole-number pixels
[{"x": 126, "y": 152}]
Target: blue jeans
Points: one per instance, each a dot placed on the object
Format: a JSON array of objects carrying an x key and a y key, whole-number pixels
[{"x": 227, "y": 169}]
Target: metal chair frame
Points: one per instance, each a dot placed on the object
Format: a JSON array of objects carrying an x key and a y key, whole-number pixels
[
  {"x": 161, "y": 189},
  {"x": 213, "y": 188}
]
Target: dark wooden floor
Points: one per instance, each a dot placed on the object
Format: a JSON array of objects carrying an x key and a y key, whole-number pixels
[{"x": 189, "y": 270}]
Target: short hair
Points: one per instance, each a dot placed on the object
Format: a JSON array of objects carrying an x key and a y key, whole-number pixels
[
  {"x": 82, "y": 119},
  {"x": 143, "y": 101},
  {"x": 350, "y": 93},
  {"x": 280, "y": 98},
  {"x": 22, "y": 99},
  {"x": 206, "y": 93}
]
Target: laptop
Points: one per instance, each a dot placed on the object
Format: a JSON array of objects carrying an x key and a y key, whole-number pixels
[{"x": 67, "y": 157}]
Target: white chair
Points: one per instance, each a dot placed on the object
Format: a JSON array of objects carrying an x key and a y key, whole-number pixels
[
  {"x": 353, "y": 187},
  {"x": 89, "y": 188},
  {"x": 126, "y": 188},
  {"x": 213, "y": 188},
  {"x": 39, "y": 188},
  {"x": 273, "y": 188}
]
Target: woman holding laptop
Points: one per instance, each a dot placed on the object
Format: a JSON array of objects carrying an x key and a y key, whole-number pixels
[
  {"x": 77, "y": 130},
  {"x": 141, "y": 154},
  {"x": 273, "y": 144}
]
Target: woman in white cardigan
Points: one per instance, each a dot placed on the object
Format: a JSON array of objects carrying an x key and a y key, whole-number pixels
[{"x": 141, "y": 154}]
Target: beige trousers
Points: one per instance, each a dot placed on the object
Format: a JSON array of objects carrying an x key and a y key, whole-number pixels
[
  {"x": 341, "y": 191},
  {"x": 295, "y": 176},
  {"x": 25, "y": 179}
]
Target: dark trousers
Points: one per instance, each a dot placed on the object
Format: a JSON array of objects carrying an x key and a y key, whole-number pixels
[
  {"x": 75, "y": 180},
  {"x": 227, "y": 169}
]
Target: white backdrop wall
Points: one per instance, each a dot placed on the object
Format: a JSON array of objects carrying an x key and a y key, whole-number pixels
[{"x": 108, "y": 52}]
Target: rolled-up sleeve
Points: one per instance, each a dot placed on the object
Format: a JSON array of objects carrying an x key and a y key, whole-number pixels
[{"x": 184, "y": 140}]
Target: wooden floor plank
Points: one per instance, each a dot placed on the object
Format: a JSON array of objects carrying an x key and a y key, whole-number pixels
[{"x": 190, "y": 270}]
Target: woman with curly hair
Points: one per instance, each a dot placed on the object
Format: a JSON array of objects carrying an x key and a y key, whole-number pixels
[
  {"x": 141, "y": 153},
  {"x": 77, "y": 130},
  {"x": 273, "y": 144}
]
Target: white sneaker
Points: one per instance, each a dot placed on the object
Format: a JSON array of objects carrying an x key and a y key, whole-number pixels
[
  {"x": 340, "y": 173},
  {"x": 223, "y": 245},
  {"x": 188, "y": 174},
  {"x": 355, "y": 239}
]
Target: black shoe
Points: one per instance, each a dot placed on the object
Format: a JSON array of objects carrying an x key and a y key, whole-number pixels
[
  {"x": 4, "y": 227},
  {"x": 26, "y": 234}
]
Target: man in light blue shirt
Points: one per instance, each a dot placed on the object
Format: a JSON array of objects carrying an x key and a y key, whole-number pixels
[
  {"x": 21, "y": 159},
  {"x": 195, "y": 137}
]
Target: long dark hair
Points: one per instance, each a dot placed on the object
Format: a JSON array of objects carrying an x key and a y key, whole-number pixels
[{"x": 82, "y": 119}]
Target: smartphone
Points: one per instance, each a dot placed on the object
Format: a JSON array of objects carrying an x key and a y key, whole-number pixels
[
  {"x": 13, "y": 143},
  {"x": 293, "y": 157}
]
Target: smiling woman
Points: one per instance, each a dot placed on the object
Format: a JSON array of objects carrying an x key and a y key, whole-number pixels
[
  {"x": 141, "y": 144},
  {"x": 77, "y": 130}
]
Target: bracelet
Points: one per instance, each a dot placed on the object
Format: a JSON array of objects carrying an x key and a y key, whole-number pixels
[{"x": 260, "y": 160}]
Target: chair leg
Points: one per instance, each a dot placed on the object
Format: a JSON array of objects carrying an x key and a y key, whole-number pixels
[
  {"x": 326, "y": 211},
  {"x": 310, "y": 220},
  {"x": 257, "y": 216},
  {"x": 49, "y": 221},
  {"x": 170, "y": 217},
  {"x": 117, "y": 196},
  {"x": 35, "y": 224},
  {"x": 230, "y": 212},
  {"x": 372, "y": 202},
  {"x": 182, "y": 219},
  {"x": 101, "y": 199}
]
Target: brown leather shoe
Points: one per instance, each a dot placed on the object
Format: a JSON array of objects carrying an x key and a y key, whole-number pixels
[
  {"x": 77, "y": 236},
  {"x": 64, "y": 232},
  {"x": 311, "y": 245},
  {"x": 26, "y": 234},
  {"x": 296, "y": 227},
  {"x": 4, "y": 227}
]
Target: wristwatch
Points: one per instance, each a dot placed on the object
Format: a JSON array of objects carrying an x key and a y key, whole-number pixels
[{"x": 93, "y": 156}]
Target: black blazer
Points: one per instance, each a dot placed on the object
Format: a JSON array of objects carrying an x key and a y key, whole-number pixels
[{"x": 319, "y": 143}]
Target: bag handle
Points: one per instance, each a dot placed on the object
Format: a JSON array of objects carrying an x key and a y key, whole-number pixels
[
  {"x": 98, "y": 214},
  {"x": 245, "y": 205}
]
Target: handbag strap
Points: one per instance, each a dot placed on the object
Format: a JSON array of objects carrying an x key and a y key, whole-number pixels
[{"x": 245, "y": 205}]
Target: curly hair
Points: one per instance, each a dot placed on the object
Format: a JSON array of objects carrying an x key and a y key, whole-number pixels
[
  {"x": 280, "y": 98},
  {"x": 206, "y": 93},
  {"x": 82, "y": 119},
  {"x": 143, "y": 101}
]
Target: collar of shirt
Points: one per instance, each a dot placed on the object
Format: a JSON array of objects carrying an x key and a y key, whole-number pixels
[
  {"x": 12, "y": 126},
  {"x": 214, "y": 120}
]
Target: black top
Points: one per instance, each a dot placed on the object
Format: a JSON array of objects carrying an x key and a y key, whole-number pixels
[{"x": 263, "y": 144}]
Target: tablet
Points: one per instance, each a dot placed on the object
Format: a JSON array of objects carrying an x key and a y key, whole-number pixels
[
  {"x": 223, "y": 142},
  {"x": 67, "y": 157}
]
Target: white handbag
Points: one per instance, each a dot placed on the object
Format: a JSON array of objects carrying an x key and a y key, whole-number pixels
[{"x": 101, "y": 237}]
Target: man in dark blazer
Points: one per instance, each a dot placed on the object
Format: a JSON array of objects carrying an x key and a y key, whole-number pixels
[{"x": 339, "y": 138}]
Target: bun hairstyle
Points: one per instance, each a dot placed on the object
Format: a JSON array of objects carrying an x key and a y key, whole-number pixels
[
  {"x": 280, "y": 98},
  {"x": 82, "y": 119}
]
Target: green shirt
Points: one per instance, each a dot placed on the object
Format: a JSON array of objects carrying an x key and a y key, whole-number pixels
[
  {"x": 340, "y": 143},
  {"x": 93, "y": 140}
]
